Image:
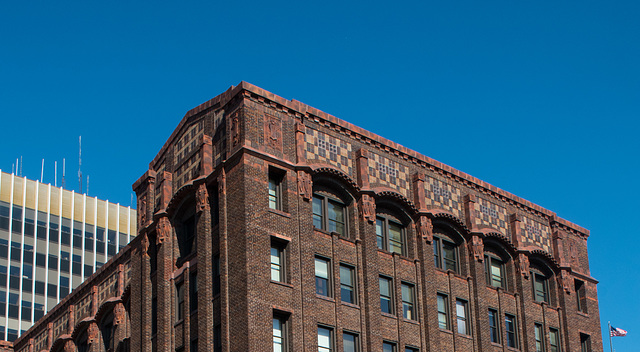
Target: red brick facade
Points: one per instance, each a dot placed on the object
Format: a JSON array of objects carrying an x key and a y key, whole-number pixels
[{"x": 260, "y": 211}]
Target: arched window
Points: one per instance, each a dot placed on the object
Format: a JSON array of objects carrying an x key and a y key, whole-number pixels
[
  {"x": 108, "y": 333},
  {"x": 445, "y": 249},
  {"x": 391, "y": 230},
  {"x": 331, "y": 206},
  {"x": 495, "y": 267},
  {"x": 540, "y": 278},
  {"x": 185, "y": 227}
]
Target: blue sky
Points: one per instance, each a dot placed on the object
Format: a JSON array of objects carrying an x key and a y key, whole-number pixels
[{"x": 538, "y": 98}]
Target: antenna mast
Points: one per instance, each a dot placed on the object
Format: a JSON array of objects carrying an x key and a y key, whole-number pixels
[
  {"x": 63, "y": 169},
  {"x": 80, "y": 163},
  {"x": 41, "y": 172},
  {"x": 55, "y": 173}
]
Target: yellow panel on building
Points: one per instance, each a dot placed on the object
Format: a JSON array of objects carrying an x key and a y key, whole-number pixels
[
  {"x": 66, "y": 204},
  {"x": 5, "y": 187},
  {"x": 18, "y": 184},
  {"x": 43, "y": 197},
  {"x": 78, "y": 199}
]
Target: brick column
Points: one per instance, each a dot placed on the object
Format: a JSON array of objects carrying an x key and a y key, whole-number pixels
[{"x": 204, "y": 273}]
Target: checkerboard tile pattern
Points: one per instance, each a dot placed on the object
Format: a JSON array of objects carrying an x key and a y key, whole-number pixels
[
  {"x": 536, "y": 233},
  {"x": 443, "y": 195},
  {"x": 388, "y": 173},
  {"x": 492, "y": 215},
  {"x": 326, "y": 149}
]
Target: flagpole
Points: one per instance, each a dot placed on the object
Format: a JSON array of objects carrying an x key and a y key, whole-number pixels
[{"x": 610, "y": 343}]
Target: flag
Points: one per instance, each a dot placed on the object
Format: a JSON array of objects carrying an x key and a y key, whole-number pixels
[{"x": 618, "y": 332}]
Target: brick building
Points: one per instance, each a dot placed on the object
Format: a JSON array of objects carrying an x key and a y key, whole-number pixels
[{"x": 267, "y": 225}]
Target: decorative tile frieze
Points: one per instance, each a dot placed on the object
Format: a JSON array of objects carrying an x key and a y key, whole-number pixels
[
  {"x": 323, "y": 148},
  {"x": 536, "y": 233},
  {"x": 443, "y": 195},
  {"x": 385, "y": 172},
  {"x": 491, "y": 215}
]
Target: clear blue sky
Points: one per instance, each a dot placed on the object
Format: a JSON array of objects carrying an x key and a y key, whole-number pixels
[{"x": 540, "y": 98}]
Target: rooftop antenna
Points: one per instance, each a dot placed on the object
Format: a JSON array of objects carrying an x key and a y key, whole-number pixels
[
  {"x": 55, "y": 173},
  {"x": 17, "y": 165},
  {"x": 63, "y": 169},
  {"x": 20, "y": 165},
  {"x": 87, "y": 184},
  {"x": 80, "y": 163},
  {"x": 41, "y": 172}
]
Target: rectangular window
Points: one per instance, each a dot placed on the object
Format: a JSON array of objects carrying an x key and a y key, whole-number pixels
[
  {"x": 539, "y": 338},
  {"x": 180, "y": 301},
  {"x": 217, "y": 339},
  {"x": 347, "y": 284},
  {"x": 388, "y": 346},
  {"x": 494, "y": 331},
  {"x": 494, "y": 269},
  {"x": 323, "y": 282},
  {"x": 329, "y": 214},
  {"x": 216, "y": 275},
  {"x": 350, "y": 342},
  {"x": 278, "y": 272},
  {"x": 408, "y": 301},
  {"x": 279, "y": 334},
  {"x": 275, "y": 190},
  {"x": 540, "y": 289},
  {"x": 386, "y": 298},
  {"x": 511, "y": 330},
  {"x": 461, "y": 317},
  {"x": 193, "y": 292},
  {"x": 585, "y": 343},
  {"x": 410, "y": 349},
  {"x": 325, "y": 339},
  {"x": 554, "y": 340},
  {"x": 581, "y": 296},
  {"x": 443, "y": 311}
]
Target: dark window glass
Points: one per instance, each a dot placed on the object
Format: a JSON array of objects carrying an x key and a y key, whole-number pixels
[
  {"x": 494, "y": 332},
  {"x": 4, "y": 248},
  {"x": 443, "y": 311},
  {"x": 41, "y": 260},
  {"x": 216, "y": 275},
  {"x": 540, "y": 287},
  {"x": 323, "y": 273},
  {"x": 193, "y": 292},
  {"x": 445, "y": 253},
  {"x": 4, "y": 215},
  {"x": 52, "y": 290},
  {"x": 495, "y": 272},
  {"x": 511, "y": 330},
  {"x": 349, "y": 342},
  {"x": 386, "y": 296},
  {"x": 329, "y": 214},
  {"x": 390, "y": 235},
  {"x": 39, "y": 287},
  {"x": 581, "y": 296},
  {"x": 275, "y": 190},
  {"x": 180, "y": 301},
  {"x": 12, "y": 334},
  {"x": 16, "y": 251},
  {"x": 280, "y": 335},
  {"x": 347, "y": 284},
  {"x": 388, "y": 347},
  {"x": 539, "y": 338},
  {"x": 53, "y": 262},
  {"x": 408, "y": 301},
  {"x": 88, "y": 270},
  {"x": 154, "y": 316},
  {"x": 554, "y": 340},
  {"x": 278, "y": 272},
  {"x": 585, "y": 343},
  {"x": 26, "y": 311}
]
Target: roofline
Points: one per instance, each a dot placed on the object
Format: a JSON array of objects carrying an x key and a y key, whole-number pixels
[{"x": 304, "y": 110}]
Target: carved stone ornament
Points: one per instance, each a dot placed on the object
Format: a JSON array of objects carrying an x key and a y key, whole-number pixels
[
  {"x": 368, "y": 208},
  {"x": 273, "y": 132},
  {"x": 235, "y": 130},
  {"x": 305, "y": 185},
  {"x": 144, "y": 244},
  {"x": 477, "y": 248},
  {"x": 202, "y": 198},
  {"x": 163, "y": 230},
  {"x": 573, "y": 254},
  {"x": 93, "y": 333},
  {"x": 565, "y": 281},
  {"x": 119, "y": 314},
  {"x": 523, "y": 265},
  {"x": 425, "y": 228},
  {"x": 69, "y": 346},
  {"x": 143, "y": 211}
]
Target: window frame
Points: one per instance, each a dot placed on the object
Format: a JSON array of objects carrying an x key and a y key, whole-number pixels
[
  {"x": 465, "y": 318},
  {"x": 274, "y": 189},
  {"x": 393, "y": 345},
  {"x": 554, "y": 334},
  {"x": 325, "y": 198},
  {"x": 494, "y": 326},
  {"x": 328, "y": 280},
  {"x": 280, "y": 247},
  {"x": 384, "y": 238},
  {"x": 538, "y": 336},
  {"x": 180, "y": 313},
  {"x": 439, "y": 240},
  {"x": 581, "y": 296},
  {"x": 346, "y": 287},
  {"x": 511, "y": 335},
  {"x": 332, "y": 343},
  {"x": 543, "y": 294},
  {"x": 283, "y": 320},
  {"x": 356, "y": 340},
  {"x": 442, "y": 305},
  {"x": 585, "y": 342},
  {"x": 408, "y": 306},
  {"x": 389, "y": 297},
  {"x": 490, "y": 259}
]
